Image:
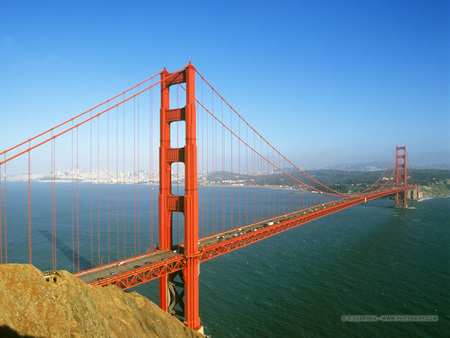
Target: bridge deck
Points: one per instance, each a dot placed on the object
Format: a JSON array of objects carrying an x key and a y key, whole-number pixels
[
  {"x": 140, "y": 269},
  {"x": 109, "y": 270}
]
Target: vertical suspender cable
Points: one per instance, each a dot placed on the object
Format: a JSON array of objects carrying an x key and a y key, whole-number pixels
[
  {"x": 273, "y": 188},
  {"x": 53, "y": 212},
  {"x": 239, "y": 168},
  {"x": 231, "y": 170},
  {"x": 212, "y": 171},
  {"x": 288, "y": 186},
  {"x": 73, "y": 223},
  {"x": 54, "y": 197},
  {"x": 207, "y": 172},
  {"x": 223, "y": 172},
  {"x": 260, "y": 184},
  {"x": 246, "y": 181},
  {"x": 262, "y": 169},
  {"x": 302, "y": 196},
  {"x": 134, "y": 173},
  {"x": 279, "y": 186},
  {"x": 78, "y": 211},
  {"x": 29, "y": 204},
  {"x": 107, "y": 179},
  {"x": 257, "y": 201},
  {"x": 284, "y": 188},
  {"x": 268, "y": 179},
  {"x": 178, "y": 181},
  {"x": 254, "y": 215},
  {"x": 1, "y": 221},
  {"x": 117, "y": 182},
  {"x": 98, "y": 191},
  {"x": 90, "y": 188},
  {"x": 151, "y": 164},
  {"x": 315, "y": 193},
  {"x": 123, "y": 184},
  {"x": 267, "y": 176},
  {"x": 214, "y": 168},
  {"x": 138, "y": 189},
  {"x": 51, "y": 202},
  {"x": 203, "y": 168},
  {"x": 264, "y": 205},
  {"x": 4, "y": 212},
  {"x": 259, "y": 169}
]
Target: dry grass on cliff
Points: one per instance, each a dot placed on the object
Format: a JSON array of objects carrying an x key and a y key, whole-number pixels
[{"x": 29, "y": 305}]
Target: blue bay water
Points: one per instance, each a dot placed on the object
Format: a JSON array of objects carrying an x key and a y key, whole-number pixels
[{"x": 371, "y": 259}]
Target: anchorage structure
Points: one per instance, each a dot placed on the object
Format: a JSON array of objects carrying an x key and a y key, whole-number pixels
[{"x": 178, "y": 291}]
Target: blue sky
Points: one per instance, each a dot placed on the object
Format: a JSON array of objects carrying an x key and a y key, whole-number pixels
[{"x": 326, "y": 82}]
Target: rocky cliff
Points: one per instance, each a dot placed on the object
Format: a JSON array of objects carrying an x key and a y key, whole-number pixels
[{"x": 67, "y": 307}]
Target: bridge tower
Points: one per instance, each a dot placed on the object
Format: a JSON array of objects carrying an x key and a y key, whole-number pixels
[
  {"x": 178, "y": 292},
  {"x": 401, "y": 177}
]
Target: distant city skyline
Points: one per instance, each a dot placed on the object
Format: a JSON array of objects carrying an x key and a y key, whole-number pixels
[{"x": 326, "y": 83}]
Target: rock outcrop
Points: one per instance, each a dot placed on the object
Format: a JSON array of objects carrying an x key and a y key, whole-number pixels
[{"x": 64, "y": 306}]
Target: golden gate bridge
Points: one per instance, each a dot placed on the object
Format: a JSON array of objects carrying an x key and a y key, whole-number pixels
[{"x": 222, "y": 186}]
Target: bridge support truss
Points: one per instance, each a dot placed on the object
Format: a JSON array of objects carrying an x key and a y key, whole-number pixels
[
  {"x": 401, "y": 177},
  {"x": 178, "y": 292}
]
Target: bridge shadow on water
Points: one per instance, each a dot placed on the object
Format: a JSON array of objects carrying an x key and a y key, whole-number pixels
[{"x": 66, "y": 250}]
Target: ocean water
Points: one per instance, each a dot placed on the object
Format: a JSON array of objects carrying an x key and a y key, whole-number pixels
[{"x": 370, "y": 261}]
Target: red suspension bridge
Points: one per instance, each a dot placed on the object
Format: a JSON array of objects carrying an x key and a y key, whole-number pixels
[{"x": 88, "y": 187}]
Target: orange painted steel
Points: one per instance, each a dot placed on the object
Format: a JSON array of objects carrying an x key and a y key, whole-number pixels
[
  {"x": 298, "y": 218},
  {"x": 187, "y": 204},
  {"x": 286, "y": 222},
  {"x": 144, "y": 274},
  {"x": 401, "y": 176},
  {"x": 193, "y": 250}
]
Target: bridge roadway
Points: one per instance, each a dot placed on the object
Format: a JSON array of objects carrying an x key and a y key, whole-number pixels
[{"x": 140, "y": 269}]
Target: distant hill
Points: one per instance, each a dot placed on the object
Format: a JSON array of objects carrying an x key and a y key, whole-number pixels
[
  {"x": 442, "y": 166},
  {"x": 369, "y": 166},
  {"x": 374, "y": 166}
]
